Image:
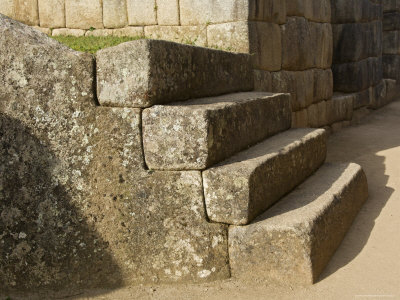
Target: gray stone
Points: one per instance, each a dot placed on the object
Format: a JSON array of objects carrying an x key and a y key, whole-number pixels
[
  {"x": 273, "y": 11},
  {"x": 391, "y": 5},
  {"x": 114, "y": 13},
  {"x": 199, "y": 133},
  {"x": 300, "y": 119},
  {"x": 391, "y": 67},
  {"x": 391, "y": 43},
  {"x": 26, "y": 11},
  {"x": 340, "y": 108},
  {"x": 317, "y": 114},
  {"x": 323, "y": 85},
  {"x": 361, "y": 98},
  {"x": 391, "y": 21},
  {"x": 84, "y": 14},
  {"x": 131, "y": 74},
  {"x": 142, "y": 12},
  {"x": 313, "y": 10},
  {"x": 52, "y": 13},
  {"x": 355, "y": 11},
  {"x": 168, "y": 12},
  {"x": 241, "y": 188},
  {"x": 392, "y": 89},
  {"x": 359, "y": 115},
  {"x": 293, "y": 241},
  {"x": 378, "y": 95}
]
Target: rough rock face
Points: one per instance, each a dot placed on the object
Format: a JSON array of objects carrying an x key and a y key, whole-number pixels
[{"x": 74, "y": 197}]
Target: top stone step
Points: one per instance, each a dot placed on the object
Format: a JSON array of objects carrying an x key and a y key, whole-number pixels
[{"x": 147, "y": 72}]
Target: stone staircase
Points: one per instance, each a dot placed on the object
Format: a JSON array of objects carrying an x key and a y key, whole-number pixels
[
  {"x": 182, "y": 172},
  {"x": 286, "y": 213}
]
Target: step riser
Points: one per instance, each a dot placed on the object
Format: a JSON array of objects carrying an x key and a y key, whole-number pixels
[
  {"x": 293, "y": 242},
  {"x": 201, "y": 133},
  {"x": 235, "y": 196}
]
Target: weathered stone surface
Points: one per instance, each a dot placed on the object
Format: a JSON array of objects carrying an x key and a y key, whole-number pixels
[
  {"x": 199, "y": 133},
  {"x": 391, "y": 42},
  {"x": 317, "y": 114},
  {"x": 306, "y": 45},
  {"x": 361, "y": 98},
  {"x": 43, "y": 30},
  {"x": 391, "y": 5},
  {"x": 293, "y": 241},
  {"x": 114, "y": 13},
  {"x": 391, "y": 67},
  {"x": 335, "y": 127},
  {"x": 391, "y": 21},
  {"x": 7, "y": 8},
  {"x": 273, "y": 11},
  {"x": 84, "y": 14},
  {"x": 67, "y": 31},
  {"x": 26, "y": 11},
  {"x": 131, "y": 74},
  {"x": 357, "y": 76},
  {"x": 392, "y": 89},
  {"x": 359, "y": 115},
  {"x": 356, "y": 41},
  {"x": 142, "y": 12},
  {"x": 355, "y": 11},
  {"x": 340, "y": 108},
  {"x": 241, "y": 188},
  {"x": 261, "y": 39},
  {"x": 323, "y": 84},
  {"x": 378, "y": 95},
  {"x": 136, "y": 31},
  {"x": 191, "y": 35},
  {"x": 168, "y": 12},
  {"x": 100, "y": 32},
  {"x": 52, "y": 13},
  {"x": 300, "y": 119},
  {"x": 313, "y": 10}
]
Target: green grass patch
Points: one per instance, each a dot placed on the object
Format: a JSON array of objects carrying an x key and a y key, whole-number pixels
[{"x": 92, "y": 44}]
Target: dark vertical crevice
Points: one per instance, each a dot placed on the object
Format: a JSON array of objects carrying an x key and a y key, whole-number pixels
[
  {"x": 145, "y": 166},
  {"x": 94, "y": 84}
]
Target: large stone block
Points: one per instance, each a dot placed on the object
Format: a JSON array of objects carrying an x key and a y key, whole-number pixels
[
  {"x": 340, "y": 108},
  {"x": 137, "y": 31},
  {"x": 391, "y": 5},
  {"x": 357, "y": 76},
  {"x": 261, "y": 39},
  {"x": 273, "y": 11},
  {"x": 190, "y": 35},
  {"x": 142, "y": 12},
  {"x": 131, "y": 74},
  {"x": 356, "y": 41},
  {"x": 321, "y": 37},
  {"x": 168, "y": 12},
  {"x": 323, "y": 85},
  {"x": 317, "y": 114},
  {"x": 52, "y": 13},
  {"x": 293, "y": 241},
  {"x": 392, "y": 90},
  {"x": 391, "y": 67},
  {"x": 7, "y": 8},
  {"x": 391, "y": 42},
  {"x": 114, "y": 13},
  {"x": 361, "y": 99},
  {"x": 391, "y": 21},
  {"x": 244, "y": 186},
  {"x": 355, "y": 11},
  {"x": 67, "y": 31},
  {"x": 313, "y": 10},
  {"x": 26, "y": 11},
  {"x": 84, "y": 14},
  {"x": 196, "y": 134},
  {"x": 378, "y": 95},
  {"x": 300, "y": 119}
]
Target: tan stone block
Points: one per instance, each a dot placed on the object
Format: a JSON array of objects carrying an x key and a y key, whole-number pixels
[
  {"x": 84, "y": 14},
  {"x": 261, "y": 39},
  {"x": 100, "y": 32},
  {"x": 115, "y": 14},
  {"x": 340, "y": 108},
  {"x": 129, "y": 31},
  {"x": 300, "y": 119},
  {"x": 7, "y": 8},
  {"x": 168, "y": 12},
  {"x": 68, "y": 31},
  {"x": 26, "y": 11},
  {"x": 142, "y": 12},
  {"x": 52, "y": 13},
  {"x": 43, "y": 30},
  {"x": 317, "y": 116},
  {"x": 191, "y": 35},
  {"x": 323, "y": 84}
]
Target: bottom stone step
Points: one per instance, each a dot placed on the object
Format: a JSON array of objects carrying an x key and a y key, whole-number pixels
[{"x": 294, "y": 240}]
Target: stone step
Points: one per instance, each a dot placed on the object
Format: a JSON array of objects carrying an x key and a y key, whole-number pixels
[
  {"x": 244, "y": 186},
  {"x": 199, "y": 133},
  {"x": 293, "y": 241},
  {"x": 147, "y": 72}
]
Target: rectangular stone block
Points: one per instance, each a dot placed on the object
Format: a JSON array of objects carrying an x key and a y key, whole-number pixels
[
  {"x": 323, "y": 84},
  {"x": 190, "y": 35},
  {"x": 357, "y": 76},
  {"x": 244, "y": 186},
  {"x": 261, "y": 39},
  {"x": 84, "y": 14},
  {"x": 392, "y": 90},
  {"x": 67, "y": 31},
  {"x": 300, "y": 119},
  {"x": 391, "y": 21},
  {"x": 273, "y": 11},
  {"x": 340, "y": 108},
  {"x": 7, "y": 8},
  {"x": 391, "y": 5},
  {"x": 199, "y": 133},
  {"x": 52, "y": 13},
  {"x": 391, "y": 42},
  {"x": 355, "y": 11},
  {"x": 361, "y": 99},
  {"x": 100, "y": 32},
  {"x": 317, "y": 115},
  {"x": 292, "y": 242},
  {"x": 378, "y": 95},
  {"x": 356, "y": 41},
  {"x": 26, "y": 11},
  {"x": 391, "y": 67},
  {"x": 359, "y": 115},
  {"x": 168, "y": 12},
  {"x": 321, "y": 36},
  {"x": 313, "y": 10},
  {"x": 114, "y": 13},
  {"x": 142, "y": 12},
  {"x": 131, "y": 74},
  {"x": 137, "y": 31}
]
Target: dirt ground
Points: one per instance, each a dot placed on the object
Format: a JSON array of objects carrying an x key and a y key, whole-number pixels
[{"x": 367, "y": 264}]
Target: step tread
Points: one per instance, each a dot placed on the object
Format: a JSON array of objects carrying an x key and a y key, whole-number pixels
[
  {"x": 240, "y": 188},
  {"x": 199, "y": 133},
  {"x": 294, "y": 240}
]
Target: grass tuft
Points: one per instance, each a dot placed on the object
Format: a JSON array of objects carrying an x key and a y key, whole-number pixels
[{"x": 92, "y": 44}]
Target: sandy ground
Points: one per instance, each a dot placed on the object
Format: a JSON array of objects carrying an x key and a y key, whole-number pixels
[{"x": 367, "y": 264}]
